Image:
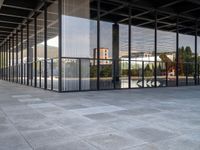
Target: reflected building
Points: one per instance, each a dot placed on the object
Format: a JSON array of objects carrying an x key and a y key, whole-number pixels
[{"x": 103, "y": 55}]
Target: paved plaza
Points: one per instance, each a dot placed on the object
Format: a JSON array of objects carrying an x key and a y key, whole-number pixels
[{"x": 137, "y": 119}]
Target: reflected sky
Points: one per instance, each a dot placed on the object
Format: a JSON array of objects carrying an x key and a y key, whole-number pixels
[{"x": 80, "y": 35}]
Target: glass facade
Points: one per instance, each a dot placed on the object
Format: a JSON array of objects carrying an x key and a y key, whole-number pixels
[
  {"x": 166, "y": 56},
  {"x": 81, "y": 45}
]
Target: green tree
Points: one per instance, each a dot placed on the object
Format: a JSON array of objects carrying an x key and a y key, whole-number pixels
[{"x": 148, "y": 71}]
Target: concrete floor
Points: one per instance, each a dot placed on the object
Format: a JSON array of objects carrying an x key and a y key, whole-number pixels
[{"x": 142, "y": 119}]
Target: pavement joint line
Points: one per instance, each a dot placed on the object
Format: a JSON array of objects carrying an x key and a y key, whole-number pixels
[{"x": 18, "y": 131}]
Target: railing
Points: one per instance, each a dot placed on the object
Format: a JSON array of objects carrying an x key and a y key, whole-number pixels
[
  {"x": 32, "y": 74},
  {"x": 80, "y": 74}
]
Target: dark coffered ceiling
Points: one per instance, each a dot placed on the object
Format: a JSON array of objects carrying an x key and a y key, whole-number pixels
[
  {"x": 143, "y": 13},
  {"x": 14, "y": 13}
]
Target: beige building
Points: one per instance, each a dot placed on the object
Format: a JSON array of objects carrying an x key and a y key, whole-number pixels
[{"x": 104, "y": 56}]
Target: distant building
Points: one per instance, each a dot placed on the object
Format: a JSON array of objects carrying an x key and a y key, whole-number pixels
[
  {"x": 135, "y": 54},
  {"x": 103, "y": 55},
  {"x": 146, "y": 55}
]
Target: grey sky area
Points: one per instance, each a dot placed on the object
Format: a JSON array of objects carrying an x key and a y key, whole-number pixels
[{"x": 85, "y": 32}]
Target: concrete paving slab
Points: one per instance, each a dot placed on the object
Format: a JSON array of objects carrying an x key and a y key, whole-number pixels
[
  {"x": 76, "y": 145},
  {"x": 13, "y": 142},
  {"x": 142, "y": 119},
  {"x": 44, "y": 137},
  {"x": 90, "y": 129},
  {"x": 95, "y": 110},
  {"x": 151, "y": 134},
  {"x": 21, "y": 96},
  {"x": 27, "y": 100},
  {"x": 101, "y": 117},
  {"x": 113, "y": 141}
]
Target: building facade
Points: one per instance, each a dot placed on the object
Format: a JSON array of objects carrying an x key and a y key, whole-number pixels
[{"x": 83, "y": 45}]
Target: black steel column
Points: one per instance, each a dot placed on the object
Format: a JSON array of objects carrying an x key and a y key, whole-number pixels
[
  {"x": 166, "y": 64},
  {"x": 155, "y": 50},
  {"x": 198, "y": 73},
  {"x": 13, "y": 62},
  {"x": 98, "y": 43},
  {"x": 45, "y": 47},
  {"x": 129, "y": 48},
  {"x": 6, "y": 60},
  {"x": 52, "y": 74},
  {"x": 177, "y": 52},
  {"x": 60, "y": 46},
  {"x": 28, "y": 53},
  {"x": 2, "y": 61},
  {"x": 22, "y": 56},
  {"x": 40, "y": 74},
  {"x": 9, "y": 59},
  {"x": 196, "y": 61},
  {"x": 17, "y": 56},
  {"x": 79, "y": 64},
  {"x": 115, "y": 54},
  {"x": 186, "y": 67},
  {"x": 35, "y": 46},
  {"x": 142, "y": 74},
  {"x": 31, "y": 66}
]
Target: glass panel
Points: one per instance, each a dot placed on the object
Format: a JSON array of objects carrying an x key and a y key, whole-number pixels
[
  {"x": 14, "y": 59},
  {"x": 79, "y": 26},
  {"x": 198, "y": 60},
  {"x": 186, "y": 60},
  {"x": 123, "y": 55},
  {"x": 137, "y": 79},
  {"x": 40, "y": 49},
  {"x": 19, "y": 57},
  {"x": 70, "y": 74},
  {"x": 31, "y": 53},
  {"x": 52, "y": 46},
  {"x": 24, "y": 54},
  {"x": 105, "y": 52},
  {"x": 142, "y": 49},
  {"x": 166, "y": 52}
]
